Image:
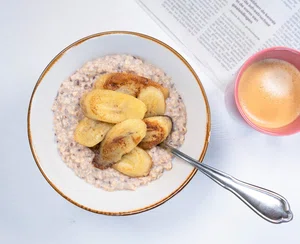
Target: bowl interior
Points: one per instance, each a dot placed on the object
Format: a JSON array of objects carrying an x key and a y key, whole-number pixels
[{"x": 41, "y": 134}]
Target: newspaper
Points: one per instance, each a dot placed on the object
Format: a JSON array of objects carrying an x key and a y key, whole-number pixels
[{"x": 222, "y": 34}]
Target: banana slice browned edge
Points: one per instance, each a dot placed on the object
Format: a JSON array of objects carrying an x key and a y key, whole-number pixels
[
  {"x": 158, "y": 129},
  {"x": 127, "y": 82}
]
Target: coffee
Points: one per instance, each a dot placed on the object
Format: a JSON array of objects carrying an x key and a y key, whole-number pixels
[{"x": 269, "y": 93}]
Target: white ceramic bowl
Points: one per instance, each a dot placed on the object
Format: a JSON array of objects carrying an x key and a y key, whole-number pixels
[{"x": 41, "y": 134}]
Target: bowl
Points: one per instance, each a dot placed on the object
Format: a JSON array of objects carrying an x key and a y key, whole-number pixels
[
  {"x": 41, "y": 135},
  {"x": 289, "y": 55}
]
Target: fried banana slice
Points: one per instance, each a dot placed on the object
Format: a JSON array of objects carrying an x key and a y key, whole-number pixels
[
  {"x": 111, "y": 107},
  {"x": 158, "y": 129},
  {"x": 130, "y": 84},
  {"x": 120, "y": 139},
  {"x": 154, "y": 101},
  {"x": 90, "y": 132},
  {"x": 137, "y": 163}
]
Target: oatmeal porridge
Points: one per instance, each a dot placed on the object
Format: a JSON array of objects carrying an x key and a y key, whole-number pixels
[{"x": 67, "y": 114}]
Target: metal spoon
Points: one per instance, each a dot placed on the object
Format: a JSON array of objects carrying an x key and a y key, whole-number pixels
[{"x": 267, "y": 204}]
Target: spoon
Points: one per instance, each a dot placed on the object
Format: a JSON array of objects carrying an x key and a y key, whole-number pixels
[{"x": 267, "y": 204}]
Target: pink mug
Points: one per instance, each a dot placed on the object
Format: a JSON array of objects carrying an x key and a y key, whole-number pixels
[{"x": 282, "y": 53}]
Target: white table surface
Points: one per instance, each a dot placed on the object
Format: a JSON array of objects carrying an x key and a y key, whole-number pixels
[{"x": 32, "y": 33}]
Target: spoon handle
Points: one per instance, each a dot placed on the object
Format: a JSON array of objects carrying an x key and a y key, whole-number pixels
[{"x": 267, "y": 204}]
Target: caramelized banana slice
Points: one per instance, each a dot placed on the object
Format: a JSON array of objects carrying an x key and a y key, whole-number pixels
[
  {"x": 127, "y": 83},
  {"x": 105, "y": 82},
  {"x": 158, "y": 128},
  {"x": 154, "y": 100},
  {"x": 121, "y": 139},
  {"x": 111, "y": 107},
  {"x": 90, "y": 132},
  {"x": 137, "y": 163},
  {"x": 98, "y": 84}
]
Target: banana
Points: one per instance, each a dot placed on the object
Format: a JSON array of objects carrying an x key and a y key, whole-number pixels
[
  {"x": 130, "y": 84},
  {"x": 98, "y": 84},
  {"x": 158, "y": 129},
  {"x": 137, "y": 163},
  {"x": 120, "y": 139},
  {"x": 90, "y": 132},
  {"x": 111, "y": 107},
  {"x": 154, "y": 101}
]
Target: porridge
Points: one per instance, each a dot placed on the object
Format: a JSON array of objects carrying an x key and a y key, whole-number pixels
[{"x": 67, "y": 113}]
